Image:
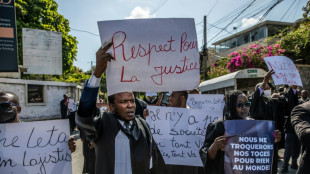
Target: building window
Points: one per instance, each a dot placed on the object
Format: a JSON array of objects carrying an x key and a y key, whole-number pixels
[
  {"x": 273, "y": 30},
  {"x": 35, "y": 94}
]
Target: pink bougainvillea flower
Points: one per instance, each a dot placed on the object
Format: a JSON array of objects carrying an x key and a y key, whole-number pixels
[
  {"x": 239, "y": 62},
  {"x": 245, "y": 54},
  {"x": 269, "y": 47},
  {"x": 228, "y": 65},
  {"x": 269, "y": 53},
  {"x": 280, "y": 50},
  {"x": 233, "y": 60},
  {"x": 234, "y": 53},
  {"x": 277, "y": 45},
  {"x": 253, "y": 46}
]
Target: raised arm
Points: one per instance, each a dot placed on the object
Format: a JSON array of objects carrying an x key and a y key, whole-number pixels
[{"x": 87, "y": 106}]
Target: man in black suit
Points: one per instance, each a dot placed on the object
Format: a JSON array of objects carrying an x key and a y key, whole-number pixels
[
  {"x": 300, "y": 118},
  {"x": 123, "y": 141}
]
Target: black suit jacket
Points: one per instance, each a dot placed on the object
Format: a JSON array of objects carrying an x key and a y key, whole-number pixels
[
  {"x": 300, "y": 118},
  {"x": 102, "y": 129}
]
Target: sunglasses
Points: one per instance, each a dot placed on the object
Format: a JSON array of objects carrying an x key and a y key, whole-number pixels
[
  {"x": 7, "y": 104},
  {"x": 246, "y": 104}
]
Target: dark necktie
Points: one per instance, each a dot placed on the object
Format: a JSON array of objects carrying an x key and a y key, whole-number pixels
[{"x": 127, "y": 125}]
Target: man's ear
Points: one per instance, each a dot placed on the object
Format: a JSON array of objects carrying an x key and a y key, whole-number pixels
[
  {"x": 19, "y": 109},
  {"x": 111, "y": 107}
]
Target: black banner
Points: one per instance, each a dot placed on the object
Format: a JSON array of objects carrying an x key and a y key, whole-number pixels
[{"x": 8, "y": 38}]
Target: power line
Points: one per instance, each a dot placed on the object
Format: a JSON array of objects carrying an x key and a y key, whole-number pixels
[
  {"x": 158, "y": 7},
  {"x": 84, "y": 31},
  {"x": 260, "y": 10},
  {"x": 233, "y": 20},
  {"x": 296, "y": 10},
  {"x": 213, "y": 7},
  {"x": 230, "y": 15},
  {"x": 220, "y": 28},
  {"x": 268, "y": 11},
  {"x": 288, "y": 10}
]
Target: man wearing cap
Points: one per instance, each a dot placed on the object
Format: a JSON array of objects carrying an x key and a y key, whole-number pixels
[
  {"x": 9, "y": 108},
  {"x": 123, "y": 141}
]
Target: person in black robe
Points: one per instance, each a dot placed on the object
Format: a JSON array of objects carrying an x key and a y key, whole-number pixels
[
  {"x": 300, "y": 118},
  {"x": 212, "y": 152},
  {"x": 64, "y": 107},
  {"x": 292, "y": 145},
  {"x": 265, "y": 108},
  {"x": 102, "y": 129}
]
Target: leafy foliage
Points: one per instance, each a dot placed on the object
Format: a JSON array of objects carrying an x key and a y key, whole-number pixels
[
  {"x": 306, "y": 10},
  {"x": 218, "y": 69},
  {"x": 297, "y": 42}
]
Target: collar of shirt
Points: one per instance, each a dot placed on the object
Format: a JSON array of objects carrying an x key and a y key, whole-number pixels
[{"x": 123, "y": 123}]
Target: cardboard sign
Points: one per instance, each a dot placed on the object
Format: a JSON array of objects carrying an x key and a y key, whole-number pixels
[
  {"x": 35, "y": 147},
  {"x": 250, "y": 149},
  {"x": 180, "y": 132},
  {"x": 206, "y": 101},
  {"x": 151, "y": 55},
  {"x": 285, "y": 70}
]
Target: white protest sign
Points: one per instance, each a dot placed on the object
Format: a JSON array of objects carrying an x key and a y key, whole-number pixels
[
  {"x": 71, "y": 104},
  {"x": 35, "y": 147},
  {"x": 151, "y": 94},
  {"x": 285, "y": 70},
  {"x": 180, "y": 132},
  {"x": 206, "y": 101},
  {"x": 151, "y": 55}
]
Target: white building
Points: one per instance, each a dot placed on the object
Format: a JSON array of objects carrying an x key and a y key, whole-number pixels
[{"x": 40, "y": 99}]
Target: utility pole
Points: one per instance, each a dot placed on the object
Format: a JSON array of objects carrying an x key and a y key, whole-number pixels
[
  {"x": 91, "y": 67},
  {"x": 205, "y": 49}
]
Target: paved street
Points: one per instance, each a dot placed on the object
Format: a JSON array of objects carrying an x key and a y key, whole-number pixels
[{"x": 77, "y": 160}]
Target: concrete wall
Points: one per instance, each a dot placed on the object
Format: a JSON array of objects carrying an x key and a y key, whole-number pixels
[
  {"x": 304, "y": 71},
  {"x": 53, "y": 94}
]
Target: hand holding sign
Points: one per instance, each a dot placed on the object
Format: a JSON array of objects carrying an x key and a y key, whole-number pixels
[
  {"x": 218, "y": 144},
  {"x": 266, "y": 79},
  {"x": 102, "y": 59}
]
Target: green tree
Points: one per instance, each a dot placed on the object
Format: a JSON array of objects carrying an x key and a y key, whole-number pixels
[
  {"x": 297, "y": 42},
  {"x": 307, "y": 10},
  {"x": 42, "y": 14}
]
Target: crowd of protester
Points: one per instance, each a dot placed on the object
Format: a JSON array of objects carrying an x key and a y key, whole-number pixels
[{"x": 123, "y": 126}]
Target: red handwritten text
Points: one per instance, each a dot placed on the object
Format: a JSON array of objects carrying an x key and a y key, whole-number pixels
[
  {"x": 288, "y": 78},
  {"x": 283, "y": 66},
  {"x": 185, "y": 45},
  {"x": 139, "y": 50},
  {"x": 132, "y": 79},
  {"x": 158, "y": 78}
]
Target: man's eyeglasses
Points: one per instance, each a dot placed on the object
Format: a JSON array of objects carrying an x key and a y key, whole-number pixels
[
  {"x": 246, "y": 104},
  {"x": 7, "y": 104}
]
